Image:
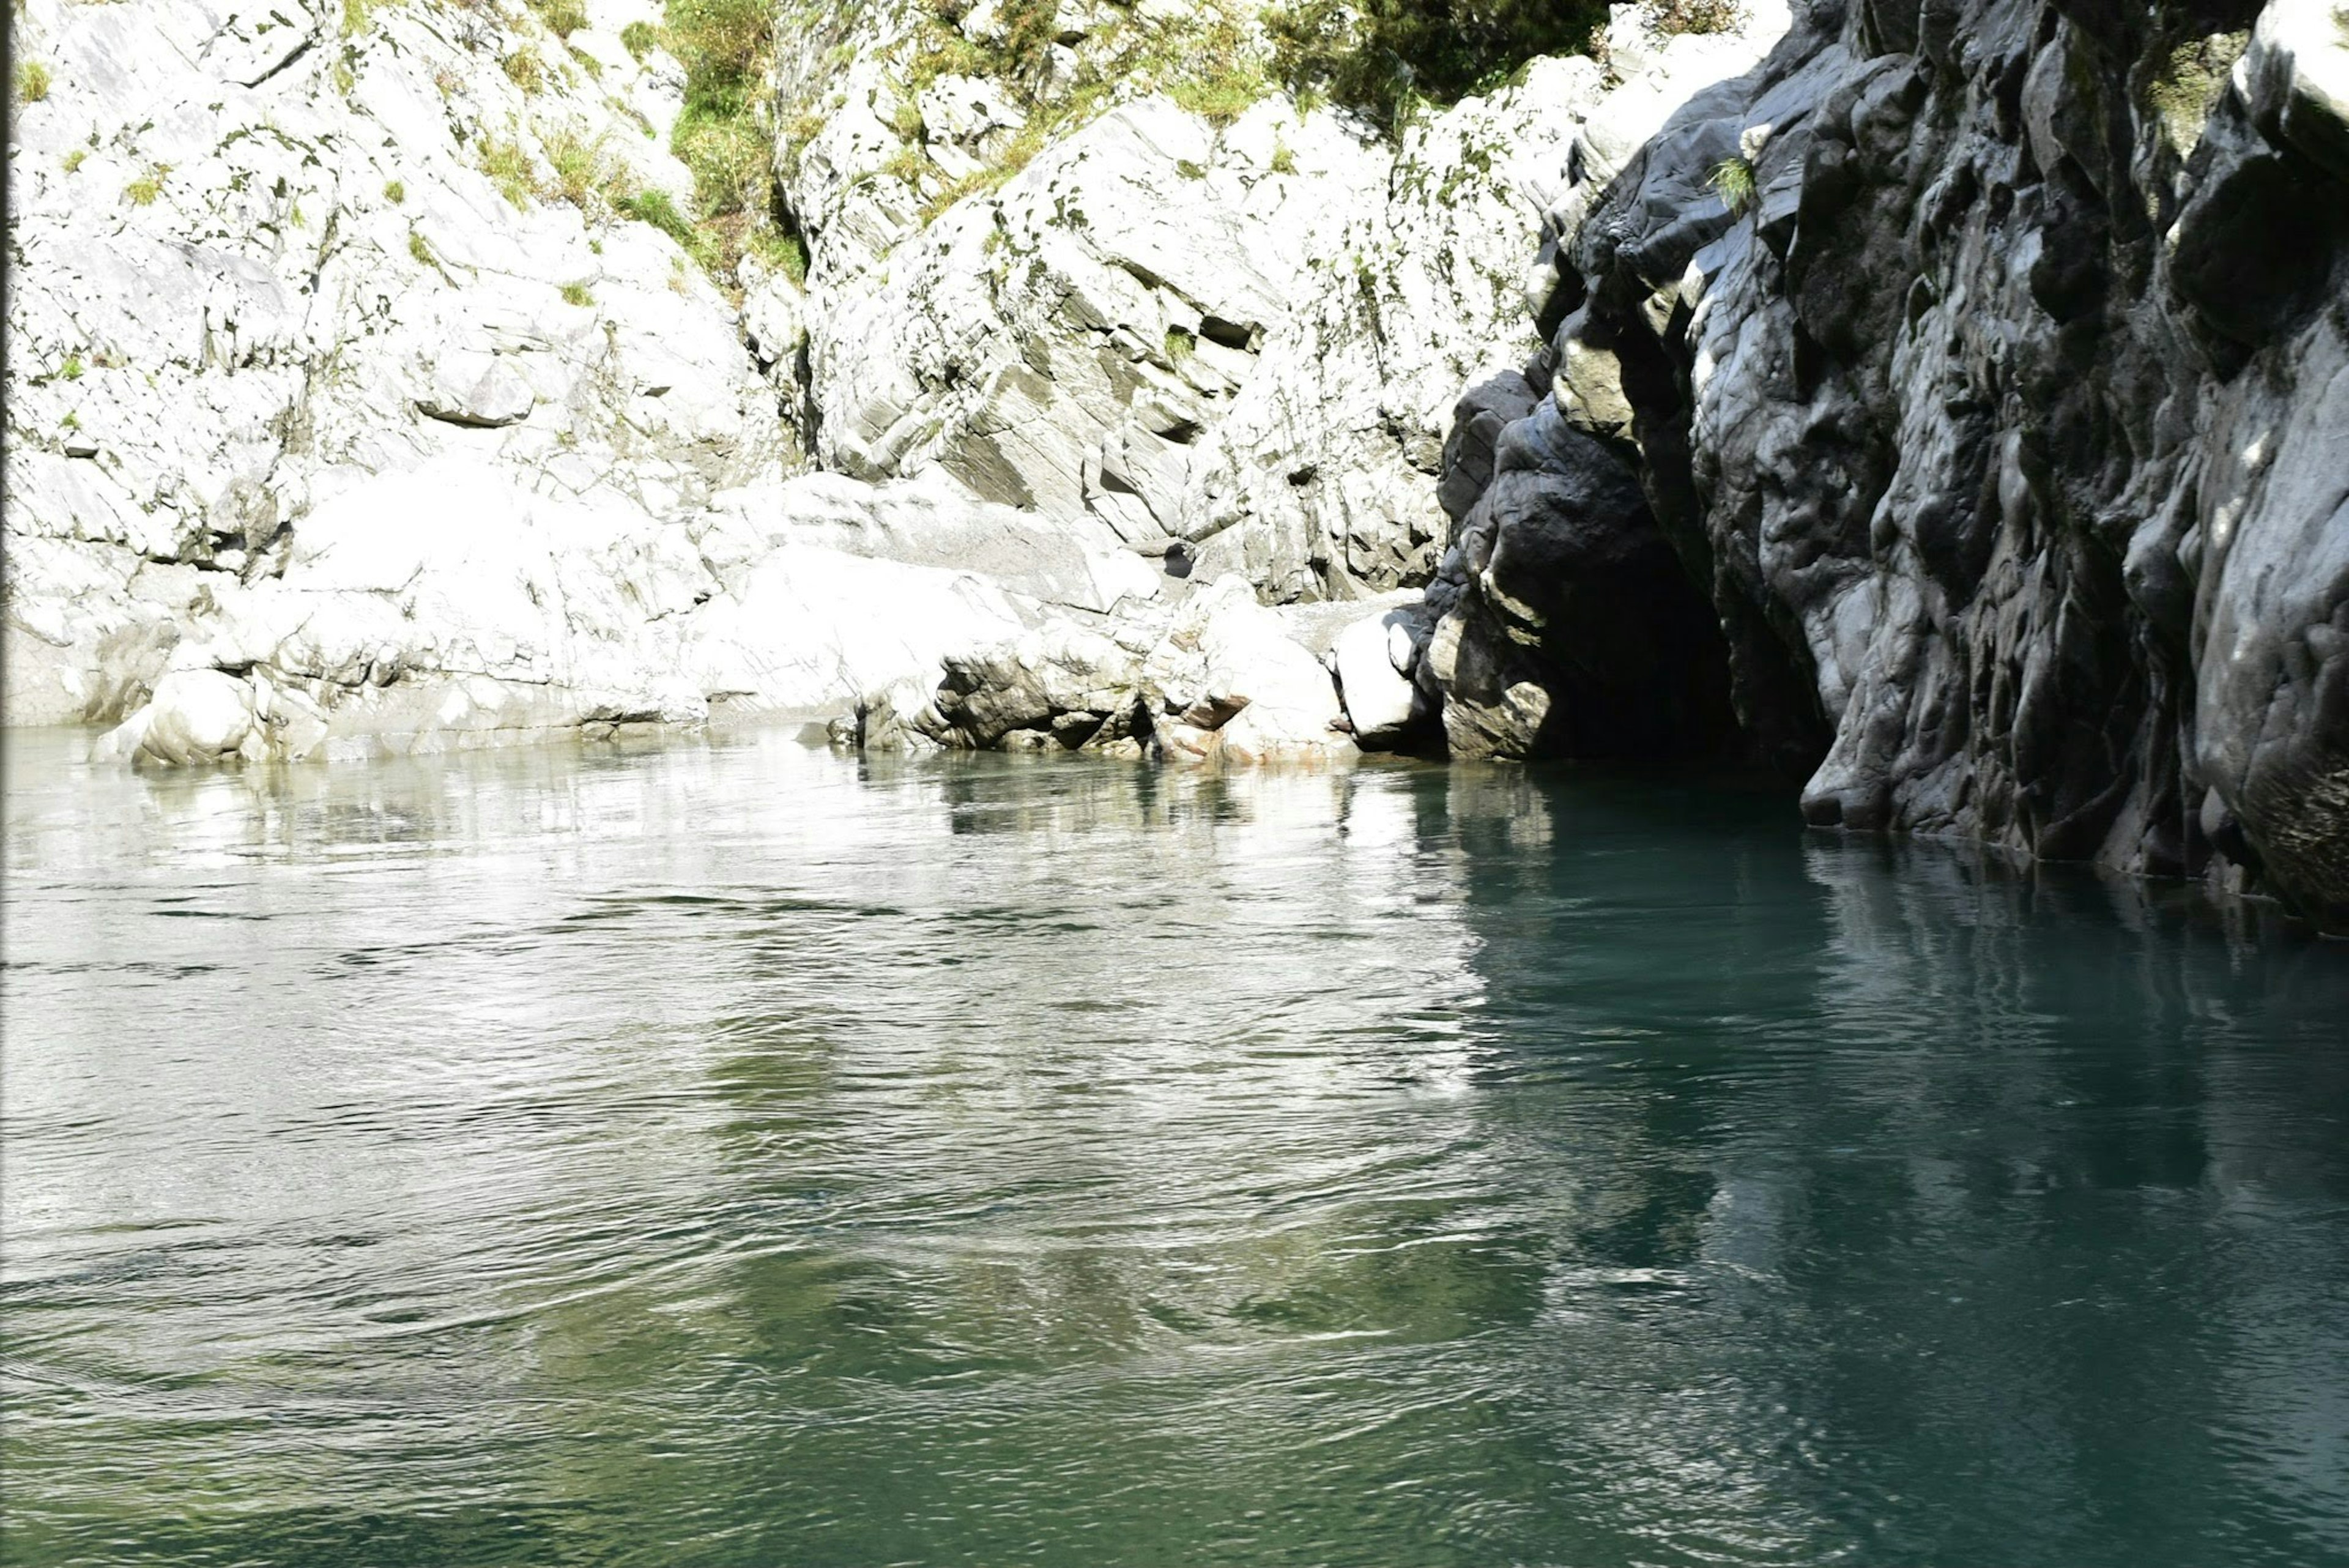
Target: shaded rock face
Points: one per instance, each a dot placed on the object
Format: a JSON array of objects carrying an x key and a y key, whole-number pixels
[
  {"x": 1568, "y": 627},
  {"x": 2006, "y": 432}
]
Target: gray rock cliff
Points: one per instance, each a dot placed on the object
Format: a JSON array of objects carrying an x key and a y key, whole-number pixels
[{"x": 1954, "y": 412}]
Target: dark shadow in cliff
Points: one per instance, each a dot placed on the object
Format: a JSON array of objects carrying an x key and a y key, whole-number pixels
[{"x": 1579, "y": 633}]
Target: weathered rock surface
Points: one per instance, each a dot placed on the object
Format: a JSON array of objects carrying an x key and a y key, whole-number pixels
[
  {"x": 2002, "y": 438},
  {"x": 453, "y": 606},
  {"x": 1218, "y": 677},
  {"x": 1983, "y": 467},
  {"x": 1061, "y": 344},
  {"x": 1235, "y": 343},
  {"x": 257, "y": 257},
  {"x": 1231, "y": 680}
]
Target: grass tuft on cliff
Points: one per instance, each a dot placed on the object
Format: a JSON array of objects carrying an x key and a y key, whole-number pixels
[
  {"x": 563, "y": 17},
  {"x": 1732, "y": 180},
  {"x": 2189, "y": 85},
  {"x": 1210, "y": 60},
  {"x": 1385, "y": 57},
  {"x": 722, "y": 135}
]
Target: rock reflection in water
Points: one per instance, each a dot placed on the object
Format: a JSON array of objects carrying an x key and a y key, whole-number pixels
[{"x": 746, "y": 1154}]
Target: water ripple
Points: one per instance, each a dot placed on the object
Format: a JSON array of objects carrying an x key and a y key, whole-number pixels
[{"x": 741, "y": 1155}]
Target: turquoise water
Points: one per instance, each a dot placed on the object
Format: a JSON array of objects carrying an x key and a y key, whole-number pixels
[{"x": 744, "y": 1155}]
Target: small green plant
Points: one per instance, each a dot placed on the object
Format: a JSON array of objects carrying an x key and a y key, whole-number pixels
[
  {"x": 563, "y": 17},
  {"x": 1181, "y": 344},
  {"x": 2183, "y": 93},
  {"x": 1732, "y": 180},
  {"x": 142, "y": 192},
  {"x": 395, "y": 191},
  {"x": 31, "y": 81},
  {"x": 420, "y": 250},
  {"x": 525, "y": 70},
  {"x": 357, "y": 14},
  {"x": 1666, "y": 18},
  {"x": 1284, "y": 162},
  {"x": 723, "y": 45},
  {"x": 576, "y": 294},
  {"x": 1386, "y": 58},
  {"x": 72, "y": 421},
  {"x": 1221, "y": 97},
  {"x": 343, "y": 77},
  {"x": 640, "y": 39},
  {"x": 729, "y": 158},
  {"x": 785, "y": 254},
  {"x": 579, "y": 164},
  {"x": 906, "y": 121},
  {"x": 1190, "y": 171},
  {"x": 655, "y": 207},
  {"x": 71, "y": 369},
  {"x": 73, "y": 159},
  {"x": 509, "y": 169}
]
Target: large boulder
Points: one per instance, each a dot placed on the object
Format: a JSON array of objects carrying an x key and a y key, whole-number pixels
[
  {"x": 1374, "y": 660},
  {"x": 1229, "y": 682}
]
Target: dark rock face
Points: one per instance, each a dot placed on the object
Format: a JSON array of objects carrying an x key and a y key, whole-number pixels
[
  {"x": 1574, "y": 630},
  {"x": 2003, "y": 438}
]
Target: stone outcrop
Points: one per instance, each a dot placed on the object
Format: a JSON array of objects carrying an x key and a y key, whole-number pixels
[
  {"x": 1947, "y": 410},
  {"x": 454, "y": 607},
  {"x": 1234, "y": 336},
  {"x": 1215, "y": 676},
  {"x": 1061, "y": 344},
  {"x": 259, "y": 259},
  {"x": 351, "y": 409},
  {"x": 1998, "y": 435}
]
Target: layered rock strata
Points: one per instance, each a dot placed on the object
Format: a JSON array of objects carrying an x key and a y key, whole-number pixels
[
  {"x": 1232, "y": 334},
  {"x": 351, "y": 408},
  {"x": 262, "y": 260}
]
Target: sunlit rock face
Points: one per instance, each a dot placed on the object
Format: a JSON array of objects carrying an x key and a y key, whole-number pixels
[
  {"x": 348, "y": 410},
  {"x": 452, "y": 606},
  {"x": 1236, "y": 335},
  {"x": 2001, "y": 429},
  {"x": 258, "y": 258}
]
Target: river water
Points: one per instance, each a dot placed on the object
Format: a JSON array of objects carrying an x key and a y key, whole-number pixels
[{"x": 738, "y": 1154}]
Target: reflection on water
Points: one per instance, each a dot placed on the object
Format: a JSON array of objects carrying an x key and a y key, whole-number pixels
[{"x": 743, "y": 1155}]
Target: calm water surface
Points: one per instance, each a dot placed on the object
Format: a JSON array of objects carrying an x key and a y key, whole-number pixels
[{"x": 743, "y": 1155}]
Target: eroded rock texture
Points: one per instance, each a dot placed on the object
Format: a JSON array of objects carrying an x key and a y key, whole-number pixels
[
  {"x": 1233, "y": 339},
  {"x": 2002, "y": 434}
]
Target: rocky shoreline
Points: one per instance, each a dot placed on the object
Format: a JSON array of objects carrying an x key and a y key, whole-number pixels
[{"x": 1943, "y": 406}]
